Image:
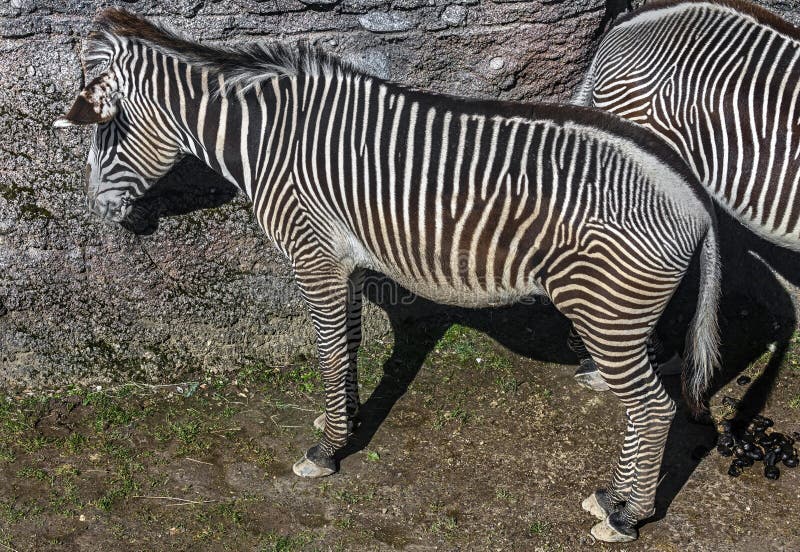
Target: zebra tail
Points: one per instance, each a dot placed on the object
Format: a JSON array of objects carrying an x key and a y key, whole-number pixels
[{"x": 702, "y": 343}]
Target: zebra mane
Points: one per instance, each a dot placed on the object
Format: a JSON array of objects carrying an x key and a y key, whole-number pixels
[{"x": 242, "y": 66}]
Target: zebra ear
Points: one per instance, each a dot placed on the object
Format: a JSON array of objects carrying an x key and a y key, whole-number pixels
[{"x": 97, "y": 103}]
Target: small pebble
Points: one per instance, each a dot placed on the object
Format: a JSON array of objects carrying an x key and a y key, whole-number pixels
[
  {"x": 743, "y": 380},
  {"x": 496, "y": 63},
  {"x": 454, "y": 15}
]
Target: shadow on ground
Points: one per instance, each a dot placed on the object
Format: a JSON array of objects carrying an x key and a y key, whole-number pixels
[{"x": 757, "y": 315}]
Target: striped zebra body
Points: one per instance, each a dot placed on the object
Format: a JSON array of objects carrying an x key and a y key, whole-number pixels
[
  {"x": 464, "y": 202},
  {"x": 720, "y": 82}
]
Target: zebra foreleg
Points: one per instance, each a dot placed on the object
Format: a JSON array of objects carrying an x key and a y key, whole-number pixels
[
  {"x": 325, "y": 290},
  {"x": 587, "y": 374},
  {"x": 354, "y": 302}
]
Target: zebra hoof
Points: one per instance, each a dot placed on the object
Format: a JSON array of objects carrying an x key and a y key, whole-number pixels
[
  {"x": 615, "y": 529},
  {"x": 308, "y": 468},
  {"x": 588, "y": 376},
  {"x": 599, "y": 505}
]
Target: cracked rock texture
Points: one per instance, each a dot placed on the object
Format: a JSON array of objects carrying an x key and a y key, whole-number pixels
[{"x": 192, "y": 284}]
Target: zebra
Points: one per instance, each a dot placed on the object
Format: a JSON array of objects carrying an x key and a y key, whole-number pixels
[
  {"x": 466, "y": 202},
  {"x": 720, "y": 83}
]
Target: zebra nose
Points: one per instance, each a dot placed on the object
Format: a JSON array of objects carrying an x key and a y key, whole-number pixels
[{"x": 87, "y": 174}]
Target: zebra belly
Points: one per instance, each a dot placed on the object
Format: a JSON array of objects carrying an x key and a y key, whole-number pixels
[
  {"x": 467, "y": 296},
  {"x": 461, "y": 293}
]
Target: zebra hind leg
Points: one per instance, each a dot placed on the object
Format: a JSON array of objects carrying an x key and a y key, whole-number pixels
[
  {"x": 650, "y": 412},
  {"x": 605, "y": 502}
]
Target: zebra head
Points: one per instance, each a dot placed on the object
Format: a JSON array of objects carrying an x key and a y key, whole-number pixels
[{"x": 130, "y": 148}]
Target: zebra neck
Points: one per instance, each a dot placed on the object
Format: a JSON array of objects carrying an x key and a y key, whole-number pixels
[{"x": 242, "y": 134}]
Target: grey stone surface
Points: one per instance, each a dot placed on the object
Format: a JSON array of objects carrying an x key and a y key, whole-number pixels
[
  {"x": 385, "y": 22},
  {"x": 454, "y": 15},
  {"x": 196, "y": 285}
]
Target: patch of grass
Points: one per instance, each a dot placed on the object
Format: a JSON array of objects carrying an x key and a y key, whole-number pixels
[
  {"x": 186, "y": 431},
  {"x": 792, "y": 359},
  {"x": 229, "y": 512},
  {"x": 504, "y": 494},
  {"x": 371, "y": 358},
  {"x": 459, "y": 342},
  {"x": 344, "y": 523},
  {"x": 37, "y": 474},
  {"x": 506, "y": 383},
  {"x": 9, "y": 513},
  {"x": 446, "y": 524},
  {"x": 122, "y": 486},
  {"x": 7, "y": 454},
  {"x": 373, "y": 456},
  {"x": 538, "y": 528},
  {"x": 75, "y": 442},
  {"x": 34, "y": 444},
  {"x": 12, "y": 512},
  {"x": 275, "y": 542},
  {"x": 457, "y": 414},
  {"x": 347, "y": 497},
  {"x": 228, "y": 412},
  {"x": 66, "y": 501},
  {"x": 305, "y": 378},
  {"x": 795, "y": 403},
  {"x": 107, "y": 411},
  {"x": 257, "y": 371}
]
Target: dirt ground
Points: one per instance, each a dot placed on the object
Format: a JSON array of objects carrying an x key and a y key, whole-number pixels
[{"x": 470, "y": 441}]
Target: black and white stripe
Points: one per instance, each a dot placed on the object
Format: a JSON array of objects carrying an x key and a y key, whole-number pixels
[
  {"x": 470, "y": 203},
  {"x": 719, "y": 82}
]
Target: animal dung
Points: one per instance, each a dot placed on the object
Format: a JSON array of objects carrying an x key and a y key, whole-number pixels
[
  {"x": 743, "y": 380},
  {"x": 758, "y": 443}
]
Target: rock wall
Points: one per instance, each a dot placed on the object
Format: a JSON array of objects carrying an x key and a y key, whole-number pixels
[{"x": 191, "y": 283}]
